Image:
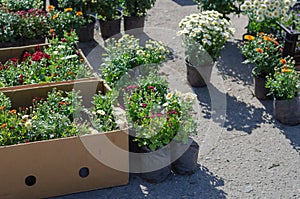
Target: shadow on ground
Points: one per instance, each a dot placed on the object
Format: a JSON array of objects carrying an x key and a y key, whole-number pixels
[
  {"x": 292, "y": 133},
  {"x": 201, "y": 185},
  {"x": 185, "y": 2},
  {"x": 235, "y": 114},
  {"x": 230, "y": 65}
]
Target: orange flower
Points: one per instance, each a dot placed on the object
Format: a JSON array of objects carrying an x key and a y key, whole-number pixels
[
  {"x": 55, "y": 16},
  {"x": 259, "y": 50},
  {"x": 68, "y": 9},
  {"x": 3, "y": 125},
  {"x": 249, "y": 37},
  {"x": 51, "y": 31},
  {"x": 78, "y": 14},
  {"x": 266, "y": 38},
  {"x": 13, "y": 111},
  {"x": 261, "y": 33},
  {"x": 283, "y": 61},
  {"x": 276, "y": 42},
  {"x": 51, "y": 7},
  {"x": 2, "y": 107}
]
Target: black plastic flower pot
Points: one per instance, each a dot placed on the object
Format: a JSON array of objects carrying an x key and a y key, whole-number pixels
[
  {"x": 133, "y": 24},
  {"x": 198, "y": 76},
  {"x": 287, "y": 111},
  {"x": 184, "y": 157},
  {"x": 111, "y": 28},
  {"x": 86, "y": 32},
  {"x": 260, "y": 90},
  {"x": 155, "y": 166}
]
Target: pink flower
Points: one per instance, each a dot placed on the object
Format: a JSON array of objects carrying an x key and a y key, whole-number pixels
[
  {"x": 150, "y": 87},
  {"x": 131, "y": 87}
]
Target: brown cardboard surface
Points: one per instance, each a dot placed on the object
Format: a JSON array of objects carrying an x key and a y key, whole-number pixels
[{"x": 56, "y": 165}]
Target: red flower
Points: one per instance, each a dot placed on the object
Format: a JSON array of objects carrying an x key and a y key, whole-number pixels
[
  {"x": 150, "y": 87},
  {"x": 14, "y": 60},
  {"x": 173, "y": 112},
  {"x": 26, "y": 55},
  {"x": 47, "y": 56},
  {"x": 37, "y": 56},
  {"x": 144, "y": 105},
  {"x": 64, "y": 40}
]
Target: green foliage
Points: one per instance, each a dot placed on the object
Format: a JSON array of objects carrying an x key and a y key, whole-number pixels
[
  {"x": 127, "y": 53},
  {"x": 284, "y": 84},
  {"x": 137, "y": 7},
  {"x": 262, "y": 50},
  {"x": 17, "y": 5},
  {"x": 157, "y": 116},
  {"x": 222, "y": 6},
  {"x": 59, "y": 61},
  {"x": 108, "y": 9}
]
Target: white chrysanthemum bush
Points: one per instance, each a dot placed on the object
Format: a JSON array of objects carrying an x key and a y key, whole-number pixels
[
  {"x": 263, "y": 14},
  {"x": 205, "y": 32}
]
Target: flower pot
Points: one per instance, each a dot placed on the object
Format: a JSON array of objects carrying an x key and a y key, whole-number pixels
[
  {"x": 135, "y": 24},
  {"x": 86, "y": 32},
  {"x": 184, "y": 157},
  {"x": 110, "y": 28},
  {"x": 260, "y": 90},
  {"x": 198, "y": 76},
  {"x": 155, "y": 166},
  {"x": 287, "y": 111}
]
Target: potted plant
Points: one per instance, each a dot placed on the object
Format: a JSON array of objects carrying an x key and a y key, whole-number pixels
[
  {"x": 204, "y": 35},
  {"x": 135, "y": 12},
  {"x": 23, "y": 27},
  {"x": 223, "y": 7},
  {"x": 87, "y": 8},
  {"x": 66, "y": 20},
  {"x": 26, "y": 5},
  {"x": 264, "y": 14},
  {"x": 284, "y": 85},
  {"x": 263, "y": 51},
  {"x": 158, "y": 117},
  {"x": 109, "y": 17},
  {"x": 126, "y": 53},
  {"x": 290, "y": 30}
]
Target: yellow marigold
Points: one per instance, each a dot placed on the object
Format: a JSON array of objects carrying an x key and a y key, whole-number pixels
[
  {"x": 259, "y": 50},
  {"x": 249, "y": 37},
  {"x": 51, "y": 7},
  {"x": 283, "y": 61},
  {"x": 68, "y": 9},
  {"x": 55, "y": 16},
  {"x": 79, "y": 13},
  {"x": 286, "y": 70}
]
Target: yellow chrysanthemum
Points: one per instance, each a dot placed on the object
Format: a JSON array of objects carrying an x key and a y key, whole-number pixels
[
  {"x": 55, "y": 16},
  {"x": 79, "y": 13},
  {"x": 68, "y": 9}
]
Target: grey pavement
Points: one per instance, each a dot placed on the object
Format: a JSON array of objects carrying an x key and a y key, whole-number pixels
[{"x": 244, "y": 152}]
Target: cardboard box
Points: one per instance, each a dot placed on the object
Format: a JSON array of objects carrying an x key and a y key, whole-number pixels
[
  {"x": 61, "y": 166},
  {"x": 22, "y": 95}
]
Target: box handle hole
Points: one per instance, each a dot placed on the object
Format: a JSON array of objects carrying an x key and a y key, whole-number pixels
[
  {"x": 84, "y": 172},
  {"x": 30, "y": 180}
]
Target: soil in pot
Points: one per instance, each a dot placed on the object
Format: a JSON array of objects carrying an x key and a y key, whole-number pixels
[
  {"x": 287, "y": 111},
  {"x": 184, "y": 157},
  {"x": 155, "y": 166},
  {"x": 198, "y": 76},
  {"x": 134, "y": 24}
]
